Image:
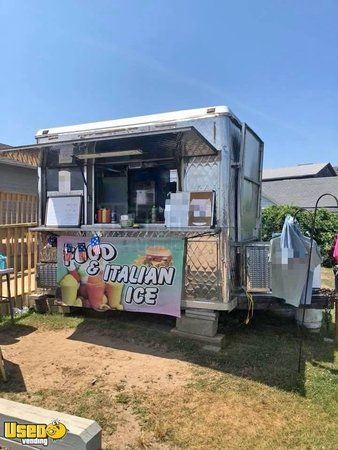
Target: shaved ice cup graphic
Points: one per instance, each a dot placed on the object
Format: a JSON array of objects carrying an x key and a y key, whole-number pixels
[
  {"x": 114, "y": 294},
  {"x": 69, "y": 287},
  {"x": 95, "y": 291},
  {"x": 83, "y": 292}
]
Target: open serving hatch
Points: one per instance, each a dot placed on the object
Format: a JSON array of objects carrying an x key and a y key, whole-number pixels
[
  {"x": 128, "y": 173},
  {"x": 188, "y": 140}
]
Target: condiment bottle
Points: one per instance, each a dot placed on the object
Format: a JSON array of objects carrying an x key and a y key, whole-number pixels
[
  {"x": 113, "y": 216},
  {"x": 99, "y": 215},
  {"x": 104, "y": 215},
  {"x": 108, "y": 215},
  {"x": 153, "y": 214}
]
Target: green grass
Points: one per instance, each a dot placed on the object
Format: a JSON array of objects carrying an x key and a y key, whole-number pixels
[
  {"x": 42, "y": 321},
  {"x": 327, "y": 278},
  {"x": 248, "y": 396}
]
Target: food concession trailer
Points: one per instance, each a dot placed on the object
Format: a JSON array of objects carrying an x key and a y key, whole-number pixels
[{"x": 152, "y": 213}]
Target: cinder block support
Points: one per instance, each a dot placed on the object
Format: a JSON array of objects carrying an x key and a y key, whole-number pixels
[
  {"x": 82, "y": 434},
  {"x": 200, "y": 322}
]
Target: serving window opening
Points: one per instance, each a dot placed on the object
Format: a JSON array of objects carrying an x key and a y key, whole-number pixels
[
  {"x": 127, "y": 178},
  {"x": 139, "y": 190}
]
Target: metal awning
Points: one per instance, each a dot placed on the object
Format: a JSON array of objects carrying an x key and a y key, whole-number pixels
[{"x": 189, "y": 140}]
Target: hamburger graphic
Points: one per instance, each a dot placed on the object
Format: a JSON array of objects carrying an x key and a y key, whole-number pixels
[{"x": 156, "y": 256}]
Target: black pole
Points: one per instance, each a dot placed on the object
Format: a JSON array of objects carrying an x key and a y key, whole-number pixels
[
  {"x": 313, "y": 224},
  {"x": 335, "y": 271}
]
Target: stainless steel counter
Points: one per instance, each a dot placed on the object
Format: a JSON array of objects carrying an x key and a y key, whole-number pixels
[{"x": 144, "y": 231}]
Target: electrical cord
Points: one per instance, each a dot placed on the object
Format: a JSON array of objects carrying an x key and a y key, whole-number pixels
[{"x": 251, "y": 306}]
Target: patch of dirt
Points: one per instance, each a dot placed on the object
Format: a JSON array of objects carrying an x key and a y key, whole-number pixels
[
  {"x": 79, "y": 364},
  {"x": 127, "y": 432},
  {"x": 144, "y": 396},
  {"x": 52, "y": 359}
]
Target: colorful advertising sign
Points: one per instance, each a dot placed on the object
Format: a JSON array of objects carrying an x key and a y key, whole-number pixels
[
  {"x": 124, "y": 274},
  {"x": 40, "y": 434}
]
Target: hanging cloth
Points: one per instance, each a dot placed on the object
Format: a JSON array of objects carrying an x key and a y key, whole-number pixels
[
  {"x": 335, "y": 250},
  {"x": 289, "y": 256}
]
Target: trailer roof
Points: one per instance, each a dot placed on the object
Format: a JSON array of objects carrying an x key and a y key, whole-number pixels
[{"x": 151, "y": 119}]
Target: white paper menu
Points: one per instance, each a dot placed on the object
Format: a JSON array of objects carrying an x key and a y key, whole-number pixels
[{"x": 63, "y": 211}]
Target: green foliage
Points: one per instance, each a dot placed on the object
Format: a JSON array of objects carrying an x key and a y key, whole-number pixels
[{"x": 326, "y": 227}]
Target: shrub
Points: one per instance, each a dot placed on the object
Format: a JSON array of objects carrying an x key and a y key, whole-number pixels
[{"x": 326, "y": 227}]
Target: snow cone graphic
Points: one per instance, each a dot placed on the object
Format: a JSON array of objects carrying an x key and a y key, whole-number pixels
[
  {"x": 95, "y": 290},
  {"x": 83, "y": 291},
  {"x": 69, "y": 287},
  {"x": 114, "y": 295}
]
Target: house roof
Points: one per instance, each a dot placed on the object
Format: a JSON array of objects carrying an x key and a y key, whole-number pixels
[
  {"x": 13, "y": 162},
  {"x": 301, "y": 192},
  {"x": 4, "y": 146},
  {"x": 299, "y": 171}
]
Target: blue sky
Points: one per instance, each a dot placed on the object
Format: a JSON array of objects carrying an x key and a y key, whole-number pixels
[{"x": 273, "y": 62}]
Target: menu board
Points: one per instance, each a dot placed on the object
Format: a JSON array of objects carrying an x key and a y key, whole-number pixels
[{"x": 63, "y": 211}]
